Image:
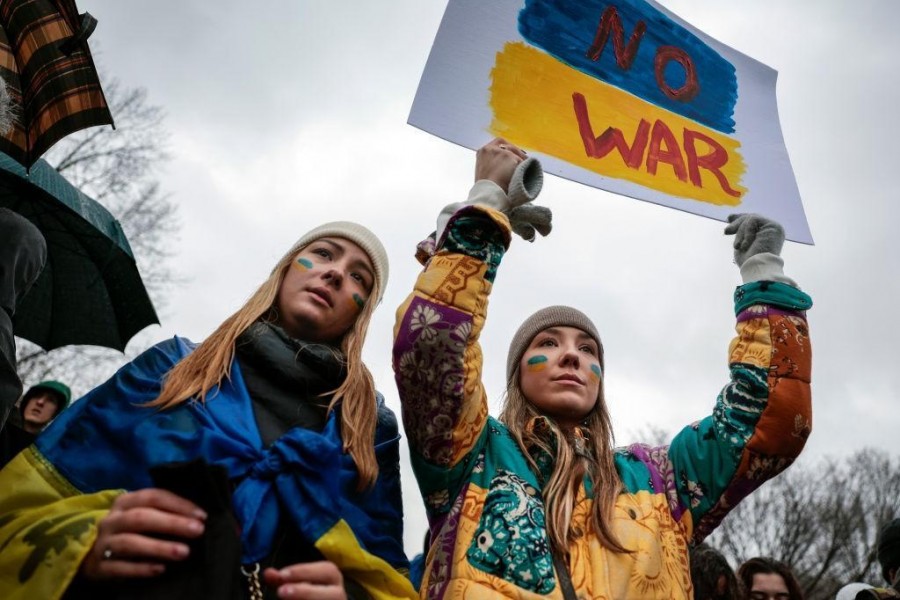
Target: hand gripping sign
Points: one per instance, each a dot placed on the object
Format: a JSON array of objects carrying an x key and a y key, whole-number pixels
[{"x": 623, "y": 96}]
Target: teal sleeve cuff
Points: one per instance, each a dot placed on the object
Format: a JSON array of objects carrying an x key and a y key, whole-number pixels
[
  {"x": 473, "y": 232},
  {"x": 772, "y": 293}
]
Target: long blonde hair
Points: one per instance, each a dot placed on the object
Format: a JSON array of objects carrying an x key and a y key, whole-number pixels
[
  {"x": 198, "y": 373},
  {"x": 586, "y": 450}
]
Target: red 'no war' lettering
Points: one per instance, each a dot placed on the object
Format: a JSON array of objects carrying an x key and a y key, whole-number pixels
[
  {"x": 625, "y": 53},
  {"x": 660, "y": 145},
  {"x": 689, "y": 90}
]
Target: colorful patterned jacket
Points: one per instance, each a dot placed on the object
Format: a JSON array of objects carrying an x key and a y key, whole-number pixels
[
  {"x": 484, "y": 502},
  {"x": 54, "y": 493}
]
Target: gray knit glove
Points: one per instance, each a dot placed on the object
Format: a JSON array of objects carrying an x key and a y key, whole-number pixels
[
  {"x": 524, "y": 217},
  {"x": 526, "y": 182},
  {"x": 754, "y": 234},
  {"x": 528, "y": 218}
]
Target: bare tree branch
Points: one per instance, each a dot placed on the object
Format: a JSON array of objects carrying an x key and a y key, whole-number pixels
[
  {"x": 822, "y": 519},
  {"x": 119, "y": 169}
]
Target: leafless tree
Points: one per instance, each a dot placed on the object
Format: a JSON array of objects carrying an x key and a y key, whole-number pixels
[
  {"x": 118, "y": 168},
  {"x": 821, "y": 518}
]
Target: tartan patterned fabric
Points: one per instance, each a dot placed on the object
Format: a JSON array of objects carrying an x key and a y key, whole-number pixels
[{"x": 52, "y": 93}]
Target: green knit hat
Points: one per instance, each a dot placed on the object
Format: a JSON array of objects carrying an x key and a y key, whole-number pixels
[
  {"x": 552, "y": 316},
  {"x": 60, "y": 390}
]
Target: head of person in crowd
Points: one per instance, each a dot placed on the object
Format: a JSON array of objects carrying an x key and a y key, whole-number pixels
[
  {"x": 769, "y": 579},
  {"x": 712, "y": 576},
  {"x": 42, "y": 403},
  {"x": 852, "y": 590},
  {"x": 322, "y": 291},
  {"x": 888, "y": 549},
  {"x": 555, "y": 409}
]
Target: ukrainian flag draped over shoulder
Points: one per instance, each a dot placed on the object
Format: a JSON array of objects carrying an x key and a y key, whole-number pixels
[{"x": 108, "y": 441}]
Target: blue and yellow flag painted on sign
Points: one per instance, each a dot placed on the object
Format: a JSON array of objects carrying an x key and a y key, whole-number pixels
[
  {"x": 633, "y": 106},
  {"x": 639, "y": 101}
]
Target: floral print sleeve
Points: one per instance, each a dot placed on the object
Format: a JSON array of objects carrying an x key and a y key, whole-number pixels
[
  {"x": 437, "y": 358},
  {"x": 760, "y": 421}
]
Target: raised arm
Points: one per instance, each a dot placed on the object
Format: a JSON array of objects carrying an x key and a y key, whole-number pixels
[
  {"x": 763, "y": 416},
  {"x": 437, "y": 358}
]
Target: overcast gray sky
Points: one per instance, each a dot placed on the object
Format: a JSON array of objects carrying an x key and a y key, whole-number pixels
[{"x": 284, "y": 115}]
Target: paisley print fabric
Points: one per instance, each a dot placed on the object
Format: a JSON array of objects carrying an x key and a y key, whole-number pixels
[
  {"x": 511, "y": 540},
  {"x": 477, "y": 237},
  {"x": 431, "y": 367},
  {"x": 492, "y": 541}
]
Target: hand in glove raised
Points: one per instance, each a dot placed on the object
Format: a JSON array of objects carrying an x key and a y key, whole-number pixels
[
  {"x": 754, "y": 234},
  {"x": 757, "y": 248},
  {"x": 519, "y": 177}
]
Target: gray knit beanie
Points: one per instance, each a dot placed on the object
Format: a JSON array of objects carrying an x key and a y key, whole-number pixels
[
  {"x": 357, "y": 234},
  {"x": 552, "y": 316}
]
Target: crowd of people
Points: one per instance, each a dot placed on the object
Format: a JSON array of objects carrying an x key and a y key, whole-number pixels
[
  {"x": 262, "y": 462},
  {"x": 765, "y": 578}
]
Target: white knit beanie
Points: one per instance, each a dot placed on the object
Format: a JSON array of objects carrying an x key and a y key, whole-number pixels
[
  {"x": 552, "y": 316},
  {"x": 849, "y": 591},
  {"x": 357, "y": 234}
]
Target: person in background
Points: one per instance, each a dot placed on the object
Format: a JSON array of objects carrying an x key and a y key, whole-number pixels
[
  {"x": 23, "y": 252},
  {"x": 712, "y": 576},
  {"x": 852, "y": 591},
  {"x": 888, "y": 553},
  {"x": 769, "y": 579},
  {"x": 260, "y": 463},
  {"x": 41, "y": 404},
  {"x": 539, "y": 503}
]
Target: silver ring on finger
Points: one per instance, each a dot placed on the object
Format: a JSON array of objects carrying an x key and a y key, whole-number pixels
[{"x": 107, "y": 554}]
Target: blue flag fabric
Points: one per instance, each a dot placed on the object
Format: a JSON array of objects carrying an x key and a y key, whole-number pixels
[{"x": 109, "y": 440}]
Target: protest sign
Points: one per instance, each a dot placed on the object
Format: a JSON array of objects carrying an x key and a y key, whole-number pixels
[{"x": 623, "y": 96}]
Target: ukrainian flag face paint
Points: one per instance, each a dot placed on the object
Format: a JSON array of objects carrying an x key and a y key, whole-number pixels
[
  {"x": 357, "y": 302},
  {"x": 560, "y": 374},
  {"x": 536, "y": 363},
  {"x": 304, "y": 264},
  {"x": 324, "y": 291}
]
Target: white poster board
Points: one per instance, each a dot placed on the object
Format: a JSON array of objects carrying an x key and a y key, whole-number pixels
[{"x": 622, "y": 96}]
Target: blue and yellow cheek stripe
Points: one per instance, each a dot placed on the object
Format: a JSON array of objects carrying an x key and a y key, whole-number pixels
[
  {"x": 596, "y": 371},
  {"x": 358, "y": 301},
  {"x": 537, "y": 363},
  {"x": 302, "y": 264}
]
